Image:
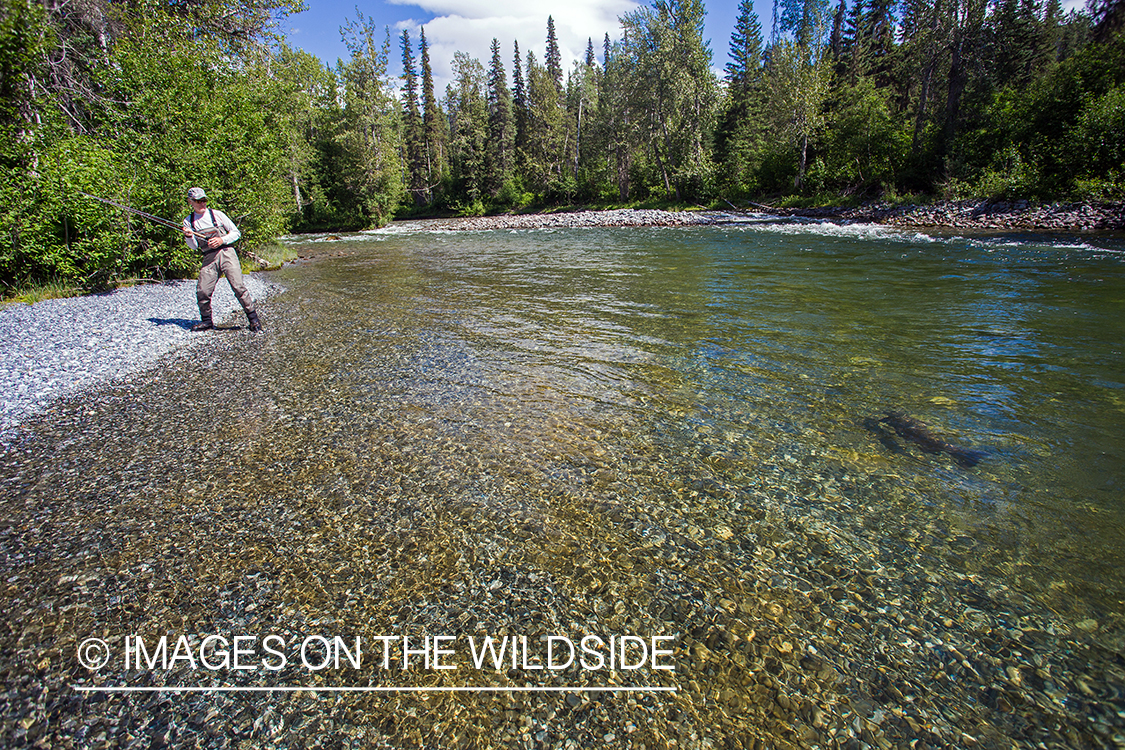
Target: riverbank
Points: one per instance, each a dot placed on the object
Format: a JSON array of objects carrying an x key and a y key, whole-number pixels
[
  {"x": 976, "y": 215},
  {"x": 60, "y": 347},
  {"x": 1000, "y": 215}
]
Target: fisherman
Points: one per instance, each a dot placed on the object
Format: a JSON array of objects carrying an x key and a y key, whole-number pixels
[{"x": 219, "y": 257}]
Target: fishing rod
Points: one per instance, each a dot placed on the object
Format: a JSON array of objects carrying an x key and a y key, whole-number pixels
[
  {"x": 165, "y": 222},
  {"x": 150, "y": 217}
]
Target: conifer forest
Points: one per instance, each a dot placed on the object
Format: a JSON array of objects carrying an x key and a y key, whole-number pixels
[{"x": 135, "y": 101}]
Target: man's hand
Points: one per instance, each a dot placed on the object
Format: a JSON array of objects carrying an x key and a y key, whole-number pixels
[{"x": 214, "y": 242}]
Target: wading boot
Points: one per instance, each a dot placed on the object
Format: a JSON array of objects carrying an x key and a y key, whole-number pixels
[
  {"x": 255, "y": 324},
  {"x": 203, "y": 325}
]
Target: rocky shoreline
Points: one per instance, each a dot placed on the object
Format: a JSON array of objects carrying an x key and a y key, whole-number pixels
[
  {"x": 1018, "y": 215},
  {"x": 979, "y": 215}
]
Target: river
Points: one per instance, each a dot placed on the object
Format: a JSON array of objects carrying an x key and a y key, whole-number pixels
[{"x": 678, "y": 435}]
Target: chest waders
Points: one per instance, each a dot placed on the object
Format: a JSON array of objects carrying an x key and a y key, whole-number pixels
[
  {"x": 205, "y": 249},
  {"x": 208, "y": 276}
]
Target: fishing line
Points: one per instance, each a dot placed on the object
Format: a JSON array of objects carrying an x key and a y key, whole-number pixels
[{"x": 150, "y": 217}]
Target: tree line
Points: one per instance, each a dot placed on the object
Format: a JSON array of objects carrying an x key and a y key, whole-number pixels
[{"x": 136, "y": 100}]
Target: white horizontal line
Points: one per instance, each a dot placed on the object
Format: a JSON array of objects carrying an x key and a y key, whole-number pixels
[{"x": 347, "y": 689}]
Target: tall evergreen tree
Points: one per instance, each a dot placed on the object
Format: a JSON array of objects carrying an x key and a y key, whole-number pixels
[
  {"x": 413, "y": 136},
  {"x": 433, "y": 125},
  {"x": 468, "y": 128},
  {"x": 554, "y": 57},
  {"x": 501, "y": 128},
  {"x": 745, "y": 49},
  {"x": 880, "y": 42},
  {"x": 519, "y": 102},
  {"x": 836, "y": 38},
  {"x": 740, "y": 136},
  {"x": 855, "y": 41},
  {"x": 545, "y": 157}
]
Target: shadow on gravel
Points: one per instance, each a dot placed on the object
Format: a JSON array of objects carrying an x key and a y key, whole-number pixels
[{"x": 185, "y": 324}]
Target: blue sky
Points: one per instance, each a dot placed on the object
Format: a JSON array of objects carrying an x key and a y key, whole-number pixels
[{"x": 470, "y": 25}]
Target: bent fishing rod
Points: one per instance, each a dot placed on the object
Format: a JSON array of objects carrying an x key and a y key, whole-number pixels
[
  {"x": 165, "y": 222},
  {"x": 150, "y": 217}
]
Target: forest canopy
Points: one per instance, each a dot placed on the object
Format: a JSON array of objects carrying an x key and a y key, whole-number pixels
[{"x": 136, "y": 101}]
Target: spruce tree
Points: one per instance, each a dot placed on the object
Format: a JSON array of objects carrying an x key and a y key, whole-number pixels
[
  {"x": 501, "y": 131},
  {"x": 855, "y": 42},
  {"x": 468, "y": 118},
  {"x": 434, "y": 125},
  {"x": 880, "y": 40},
  {"x": 740, "y": 134},
  {"x": 412, "y": 124},
  {"x": 554, "y": 57},
  {"x": 519, "y": 107}
]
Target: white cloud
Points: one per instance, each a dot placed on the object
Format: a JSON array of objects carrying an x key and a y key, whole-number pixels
[{"x": 469, "y": 26}]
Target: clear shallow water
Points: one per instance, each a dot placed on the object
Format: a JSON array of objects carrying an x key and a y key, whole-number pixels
[
  {"x": 775, "y": 345},
  {"x": 604, "y": 431}
]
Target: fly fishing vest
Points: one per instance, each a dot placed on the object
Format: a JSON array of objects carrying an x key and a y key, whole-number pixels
[{"x": 205, "y": 249}]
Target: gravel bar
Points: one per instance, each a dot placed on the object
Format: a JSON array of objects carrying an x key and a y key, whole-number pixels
[
  {"x": 977, "y": 215},
  {"x": 60, "y": 347}
]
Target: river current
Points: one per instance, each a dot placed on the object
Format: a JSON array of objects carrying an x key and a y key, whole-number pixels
[
  {"x": 774, "y": 344},
  {"x": 866, "y": 484}
]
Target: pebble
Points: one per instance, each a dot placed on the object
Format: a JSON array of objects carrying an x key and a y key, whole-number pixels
[
  {"x": 977, "y": 214},
  {"x": 1018, "y": 215},
  {"x": 49, "y": 347}
]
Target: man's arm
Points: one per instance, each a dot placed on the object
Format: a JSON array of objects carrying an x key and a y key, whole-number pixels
[
  {"x": 232, "y": 235},
  {"x": 189, "y": 235}
]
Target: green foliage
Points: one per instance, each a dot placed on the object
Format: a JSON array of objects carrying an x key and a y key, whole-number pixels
[
  {"x": 1098, "y": 137},
  {"x": 23, "y": 32},
  {"x": 157, "y": 102},
  {"x": 1011, "y": 175},
  {"x": 500, "y": 148},
  {"x": 468, "y": 115},
  {"x": 798, "y": 90},
  {"x": 864, "y": 146},
  {"x": 136, "y": 101},
  {"x": 56, "y": 233},
  {"x": 371, "y": 137},
  {"x": 673, "y": 95},
  {"x": 545, "y": 158}
]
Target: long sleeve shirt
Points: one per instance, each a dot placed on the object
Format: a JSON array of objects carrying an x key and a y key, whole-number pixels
[{"x": 222, "y": 226}]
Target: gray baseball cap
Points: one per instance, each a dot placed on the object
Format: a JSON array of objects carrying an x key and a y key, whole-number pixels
[{"x": 197, "y": 194}]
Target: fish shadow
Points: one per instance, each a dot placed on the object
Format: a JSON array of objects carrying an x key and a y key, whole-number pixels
[{"x": 911, "y": 430}]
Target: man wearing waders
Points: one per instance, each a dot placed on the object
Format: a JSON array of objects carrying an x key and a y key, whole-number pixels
[{"x": 219, "y": 257}]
